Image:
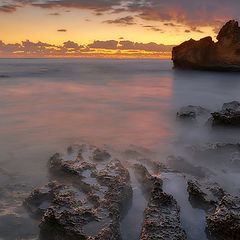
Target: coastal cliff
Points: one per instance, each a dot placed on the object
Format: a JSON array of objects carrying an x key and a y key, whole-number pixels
[{"x": 205, "y": 54}]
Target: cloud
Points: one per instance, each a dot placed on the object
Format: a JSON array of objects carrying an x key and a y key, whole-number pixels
[
  {"x": 129, "y": 20},
  {"x": 54, "y": 14},
  {"x": 187, "y": 12},
  {"x": 171, "y": 24},
  {"x": 129, "y": 45},
  {"x": 150, "y": 47},
  {"x": 195, "y": 29},
  {"x": 72, "y": 49},
  {"x": 110, "y": 44},
  {"x": 72, "y": 45},
  {"x": 98, "y": 6},
  {"x": 8, "y": 8},
  {"x": 62, "y": 30},
  {"x": 154, "y": 28}
]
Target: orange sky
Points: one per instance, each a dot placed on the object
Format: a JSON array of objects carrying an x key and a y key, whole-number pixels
[{"x": 83, "y": 22}]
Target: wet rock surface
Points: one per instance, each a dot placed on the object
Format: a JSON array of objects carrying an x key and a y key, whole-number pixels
[
  {"x": 88, "y": 197},
  {"x": 225, "y": 221},
  {"x": 88, "y": 204},
  {"x": 204, "y": 195},
  {"x": 228, "y": 116},
  {"x": 162, "y": 219},
  {"x": 205, "y": 54}
]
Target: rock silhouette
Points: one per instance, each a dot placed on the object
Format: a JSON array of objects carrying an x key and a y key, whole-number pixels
[{"x": 205, "y": 54}]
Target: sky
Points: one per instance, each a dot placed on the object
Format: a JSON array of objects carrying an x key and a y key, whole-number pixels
[{"x": 107, "y": 28}]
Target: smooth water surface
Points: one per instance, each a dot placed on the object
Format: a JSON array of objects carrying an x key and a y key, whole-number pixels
[{"x": 48, "y": 104}]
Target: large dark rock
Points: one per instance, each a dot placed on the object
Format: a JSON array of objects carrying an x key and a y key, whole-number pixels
[
  {"x": 225, "y": 221},
  {"x": 228, "y": 116},
  {"x": 205, "y": 54}
]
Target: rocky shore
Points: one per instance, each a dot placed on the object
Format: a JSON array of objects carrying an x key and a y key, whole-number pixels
[
  {"x": 205, "y": 54},
  {"x": 90, "y": 192}
]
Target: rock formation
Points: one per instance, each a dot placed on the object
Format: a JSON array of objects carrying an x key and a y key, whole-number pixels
[
  {"x": 228, "y": 116},
  {"x": 162, "y": 217},
  {"x": 225, "y": 221},
  {"x": 205, "y": 54}
]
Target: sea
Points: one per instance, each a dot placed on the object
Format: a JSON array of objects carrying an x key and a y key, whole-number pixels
[{"x": 48, "y": 104}]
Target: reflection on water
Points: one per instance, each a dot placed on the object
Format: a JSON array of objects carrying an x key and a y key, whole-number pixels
[{"x": 48, "y": 104}]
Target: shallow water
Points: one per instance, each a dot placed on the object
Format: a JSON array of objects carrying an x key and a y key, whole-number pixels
[
  {"x": 49, "y": 104},
  {"x": 131, "y": 224},
  {"x": 192, "y": 219}
]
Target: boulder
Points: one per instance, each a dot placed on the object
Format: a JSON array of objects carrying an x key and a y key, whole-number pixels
[
  {"x": 205, "y": 54},
  {"x": 228, "y": 116}
]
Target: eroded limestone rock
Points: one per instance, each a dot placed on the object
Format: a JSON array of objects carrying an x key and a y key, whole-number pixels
[
  {"x": 204, "y": 195},
  {"x": 225, "y": 221},
  {"x": 205, "y": 54},
  {"x": 88, "y": 201},
  {"x": 162, "y": 220}
]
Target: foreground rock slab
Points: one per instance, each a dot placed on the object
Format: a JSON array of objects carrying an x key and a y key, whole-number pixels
[
  {"x": 88, "y": 198},
  {"x": 162, "y": 218},
  {"x": 205, "y": 54}
]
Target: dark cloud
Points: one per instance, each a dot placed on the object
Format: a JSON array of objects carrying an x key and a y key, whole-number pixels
[
  {"x": 98, "y": 6},
  {"x": 28, "y": 48},
  {"x": 72, "y": 45},
  {"x": 54, "y": 14},
  {"x": 62, "y": 30},
  {"x": 154, "y": 28},
  {"x": 188, "y": 12},
  {"x": 187, "y": 31},
  {"x": 195, "y": 29},
  {"x": 70, "y": 48},
  {"x": 110, "y": 44},
  {"x": 129, "y": 20},
  {"x": 171, "y": 24},
  {"x": 129, "y": 45},
  {"x": 8, "y": 8},
  {"x": 150, "y": 47}
]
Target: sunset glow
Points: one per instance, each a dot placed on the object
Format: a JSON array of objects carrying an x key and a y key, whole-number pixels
[{"x": 40, "y": 28}]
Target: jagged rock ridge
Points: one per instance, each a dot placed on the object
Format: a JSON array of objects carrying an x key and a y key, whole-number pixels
[{"x": 205, "y": 54}]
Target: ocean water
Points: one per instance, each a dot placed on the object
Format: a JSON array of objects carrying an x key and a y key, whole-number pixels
[{"x": 48, "y": 104}]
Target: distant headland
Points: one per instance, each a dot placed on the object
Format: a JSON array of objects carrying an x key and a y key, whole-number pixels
[{"x": 205, "y": 54}]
